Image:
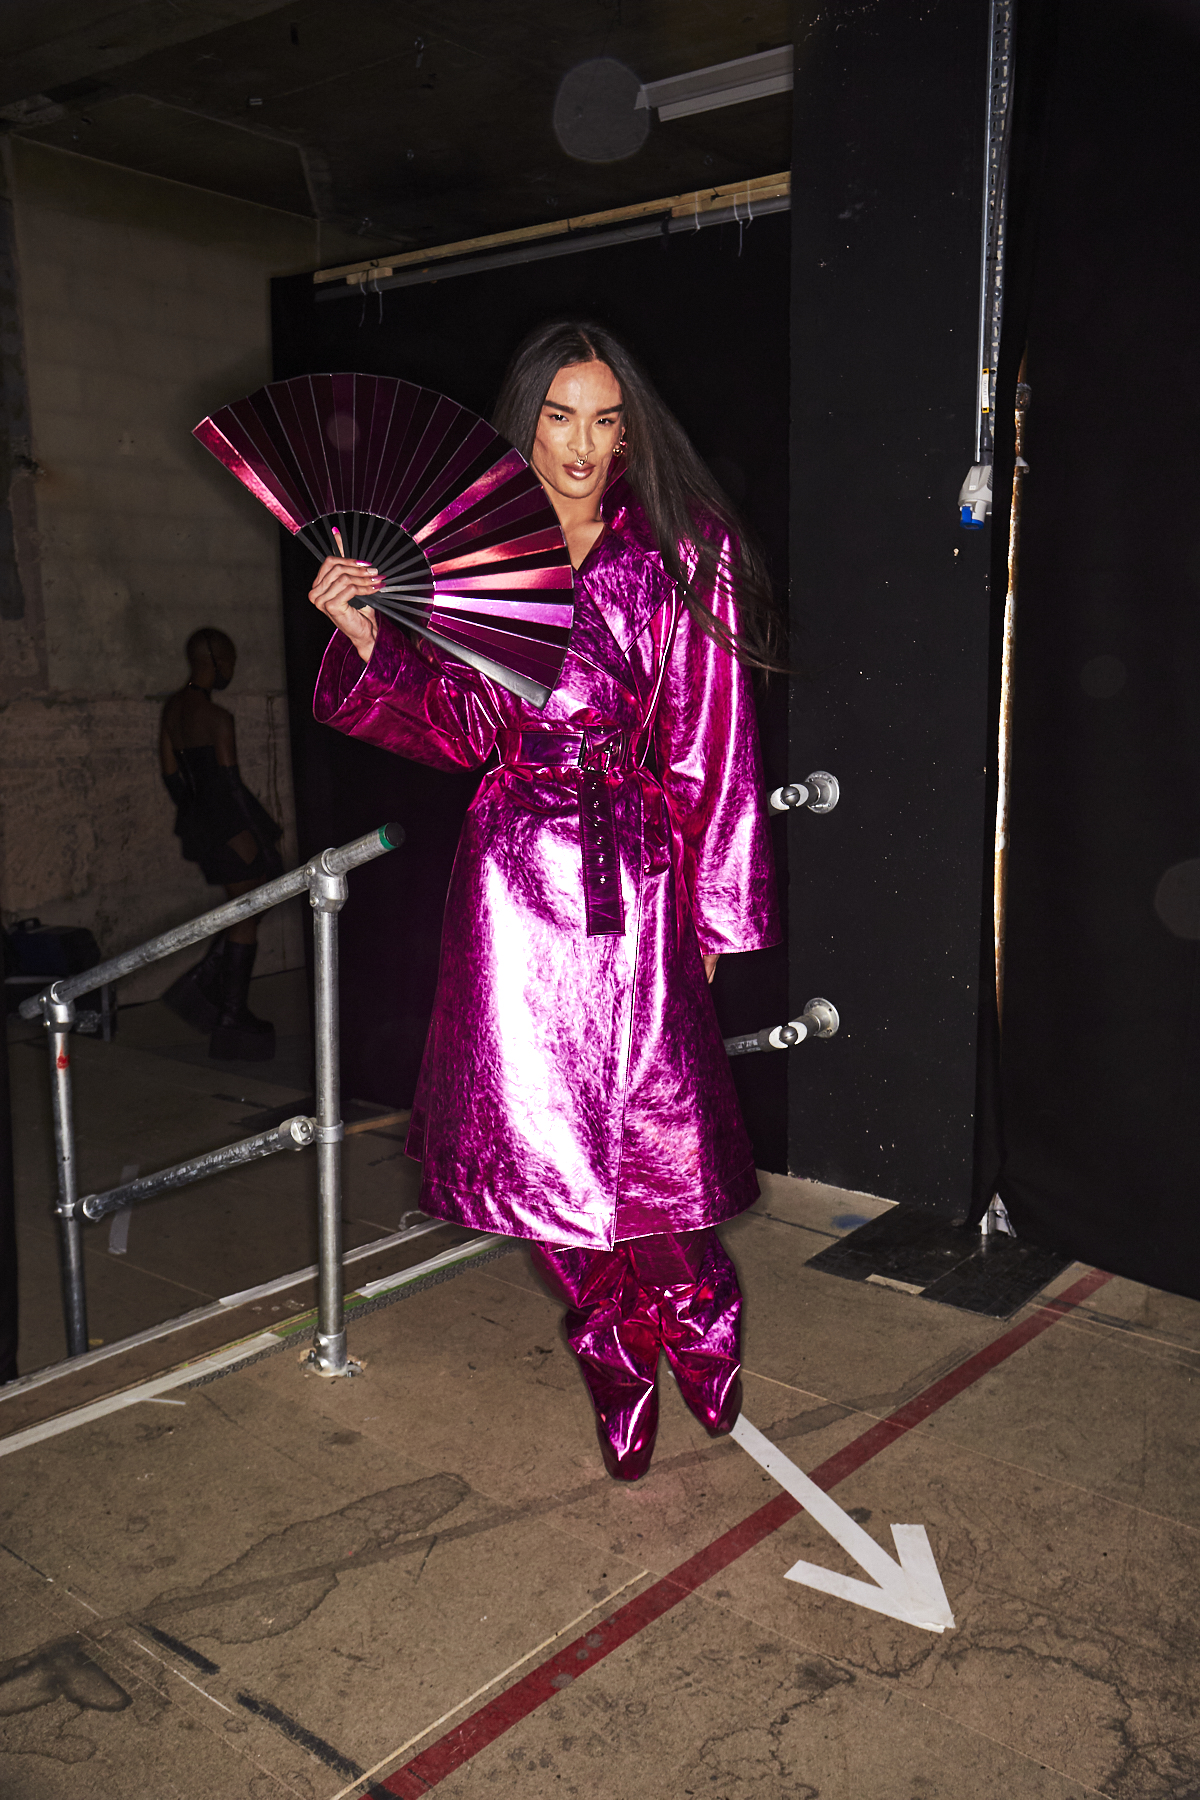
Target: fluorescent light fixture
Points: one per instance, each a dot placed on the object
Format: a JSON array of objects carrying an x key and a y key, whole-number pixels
[{"x": 723, "y": 84}]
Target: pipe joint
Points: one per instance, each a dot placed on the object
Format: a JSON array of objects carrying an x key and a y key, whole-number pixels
[
  {"x": 59, "y": 1014},
  {"x": 328, "y": 1356},
  {"x": 327, "y": 892}
]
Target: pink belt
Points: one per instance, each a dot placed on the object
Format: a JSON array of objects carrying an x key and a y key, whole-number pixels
[{"x": 601, "y": 756}]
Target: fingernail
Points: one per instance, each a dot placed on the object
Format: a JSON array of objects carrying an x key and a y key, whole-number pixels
[{"x": 361, "y": 564}]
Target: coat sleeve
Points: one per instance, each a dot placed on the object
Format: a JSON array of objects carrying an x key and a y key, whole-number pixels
[
  {"x": 405, "y": 700},
  {"x": 706, "y": 740}
]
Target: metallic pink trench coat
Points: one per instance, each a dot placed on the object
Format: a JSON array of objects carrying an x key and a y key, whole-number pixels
[{"x": 575, "y": 1087}]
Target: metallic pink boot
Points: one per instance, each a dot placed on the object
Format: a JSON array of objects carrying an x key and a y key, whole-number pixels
[
  {"x": 674, "y": 1291},
  {"x": 616, "y": 1345},
  {"x": 697, "y": 1304}
]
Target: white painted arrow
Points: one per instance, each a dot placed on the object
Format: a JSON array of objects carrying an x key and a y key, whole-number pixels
[{"x": 910, "y": 1589}]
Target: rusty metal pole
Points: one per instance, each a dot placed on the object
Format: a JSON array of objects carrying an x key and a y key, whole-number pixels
[{"x": 1004, "y": 752}]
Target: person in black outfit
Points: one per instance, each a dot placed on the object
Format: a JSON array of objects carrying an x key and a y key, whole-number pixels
[{"x": 222, "y": 827}]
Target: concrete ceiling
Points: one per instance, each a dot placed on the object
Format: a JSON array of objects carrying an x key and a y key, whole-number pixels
[{"x": 397, "y": 123}]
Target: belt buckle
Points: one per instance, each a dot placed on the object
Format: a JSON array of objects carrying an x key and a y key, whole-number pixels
[{"x": 601, "y": 757}]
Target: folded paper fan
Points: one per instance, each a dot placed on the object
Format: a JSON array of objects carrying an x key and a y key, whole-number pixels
[{"x": 451, "y": 515}]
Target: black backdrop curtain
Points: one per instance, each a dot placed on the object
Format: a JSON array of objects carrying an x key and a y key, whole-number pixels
[
  {"x": 890, "y": 595},
  {"x": 707, "y": 311},
  {"x": 1100, "y": 1058}
]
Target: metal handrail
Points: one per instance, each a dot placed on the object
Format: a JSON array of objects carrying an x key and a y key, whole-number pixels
[
  {"x": 206, "y": 925},
  {"x": 324, "y": 877},
  {"x": 293, "y": 1134}
]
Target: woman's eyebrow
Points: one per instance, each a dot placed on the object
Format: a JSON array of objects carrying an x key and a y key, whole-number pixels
[{"x": 561, "y": 406}]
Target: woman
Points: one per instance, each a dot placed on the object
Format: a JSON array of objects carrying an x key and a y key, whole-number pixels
[
  {"x": 575, "y": 1089},
  {"x": 222, "y": 827}
]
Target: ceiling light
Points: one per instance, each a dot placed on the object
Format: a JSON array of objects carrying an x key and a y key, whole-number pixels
[{"x": 723, "y": 84}]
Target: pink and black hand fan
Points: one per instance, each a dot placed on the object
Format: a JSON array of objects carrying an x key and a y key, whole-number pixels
[{"x": 453, "y": 517}]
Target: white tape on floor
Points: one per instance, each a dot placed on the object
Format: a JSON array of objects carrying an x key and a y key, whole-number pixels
[
  {"x": 146, "y": 1390},
  {"x": 201, "y": 1314},
  {"x": 373, "y": 1247},
  {"x": 267, "y": 1340},
  {"x": 910, "y": 1589},
  {"x": 446, "y": 1260}
]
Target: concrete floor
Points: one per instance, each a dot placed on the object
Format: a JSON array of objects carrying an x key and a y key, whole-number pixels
[{"x": 267, "y": 1584}]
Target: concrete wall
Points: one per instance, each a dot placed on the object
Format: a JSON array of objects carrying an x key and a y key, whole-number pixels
[{"x": 142, "y": 304}]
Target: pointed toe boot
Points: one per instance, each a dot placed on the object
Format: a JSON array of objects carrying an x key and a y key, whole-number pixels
[{"x": 238, "y": 1035}]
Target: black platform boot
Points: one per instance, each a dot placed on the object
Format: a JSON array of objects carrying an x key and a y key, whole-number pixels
[
  {"x": 196, "y": 996},
  {"x": 239, "y": 1036}
]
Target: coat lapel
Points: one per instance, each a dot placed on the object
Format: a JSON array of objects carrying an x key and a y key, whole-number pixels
[{"x": 624, "y": 576}]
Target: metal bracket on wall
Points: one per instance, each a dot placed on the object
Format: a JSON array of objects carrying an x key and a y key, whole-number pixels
[
  {"x": 818, "y": 792},
  {"x": 819, "y": 1020}
]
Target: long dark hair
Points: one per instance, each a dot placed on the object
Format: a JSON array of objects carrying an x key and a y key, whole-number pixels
[{"x": 682, "y": 501}]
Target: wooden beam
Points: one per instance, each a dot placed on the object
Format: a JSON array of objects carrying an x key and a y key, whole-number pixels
[{"x": 678, "y": 206}]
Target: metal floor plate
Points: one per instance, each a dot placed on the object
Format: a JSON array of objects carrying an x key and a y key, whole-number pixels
[{"x": 924, "y": 1254}]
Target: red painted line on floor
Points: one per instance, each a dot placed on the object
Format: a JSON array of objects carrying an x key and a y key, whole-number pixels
[{"x": 483, "y": 1727}]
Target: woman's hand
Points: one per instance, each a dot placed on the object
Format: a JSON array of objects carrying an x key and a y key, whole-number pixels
[
  {"x": 710, "y": 966},
  {"x": 341, "y": 580}
]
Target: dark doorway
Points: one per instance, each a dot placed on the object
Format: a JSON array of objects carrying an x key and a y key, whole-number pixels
[{"x": 707, "y": 311}]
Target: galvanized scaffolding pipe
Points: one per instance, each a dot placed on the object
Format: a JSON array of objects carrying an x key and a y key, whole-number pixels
[
  {"x": 337, "y": 862},
  {"x": 293, "y": 1134},
  {"x": 327, "y": 896},
  {"x": 325, "y": 878},
  {"x": 60, "y": 1016}
]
